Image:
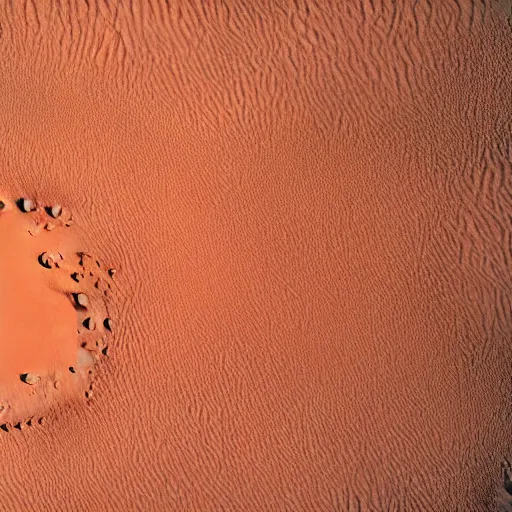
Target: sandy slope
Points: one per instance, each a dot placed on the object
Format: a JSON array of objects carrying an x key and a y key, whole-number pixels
[{"x": 309, "y": 207}]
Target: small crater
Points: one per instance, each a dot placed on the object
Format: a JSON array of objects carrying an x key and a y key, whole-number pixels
[
  {"x": 56, "y": 210},
  {"x": 76, "y": 276},
  {"x": 25, "y": 205},
  {"x": 81, "y": 300},
  {"x": 89, "y": 324},
  {"x": 45, "y": 260},
  {"x": 30, "y": 378}
]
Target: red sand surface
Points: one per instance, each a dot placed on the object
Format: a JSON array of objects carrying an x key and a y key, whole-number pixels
[{"x": 309, "y": 206}]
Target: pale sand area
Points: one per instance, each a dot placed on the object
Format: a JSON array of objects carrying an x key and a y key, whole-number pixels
[
  {"x": 309, "y": 207},
  {"x": 54, "y": 321}
]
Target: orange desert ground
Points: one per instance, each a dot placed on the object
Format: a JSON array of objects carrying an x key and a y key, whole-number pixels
[{"x": 256, "y": 256}]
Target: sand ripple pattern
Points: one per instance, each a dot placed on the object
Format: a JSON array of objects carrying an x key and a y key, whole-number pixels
[{"x": 309, "y": 203}]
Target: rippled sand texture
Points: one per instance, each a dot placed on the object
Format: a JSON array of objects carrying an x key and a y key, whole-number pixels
[{"x": 309, "y": 205}]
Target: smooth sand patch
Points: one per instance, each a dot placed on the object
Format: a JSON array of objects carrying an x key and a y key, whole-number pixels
[{"x": 46, "y": 353}]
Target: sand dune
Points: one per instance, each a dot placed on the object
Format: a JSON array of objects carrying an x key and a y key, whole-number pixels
[{"x": 308, "y": 204}]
